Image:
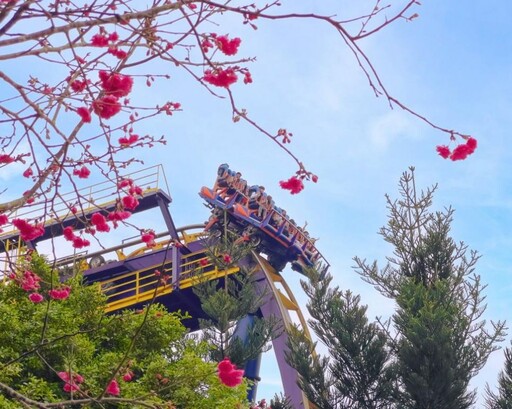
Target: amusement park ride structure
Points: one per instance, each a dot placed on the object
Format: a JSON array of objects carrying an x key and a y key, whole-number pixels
[{"x": 129, "y": 281}]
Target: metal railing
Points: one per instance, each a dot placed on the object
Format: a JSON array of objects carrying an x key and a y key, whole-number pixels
[
  {"x": 139, "y": 286},
  {"x": 88, "y": 198}
]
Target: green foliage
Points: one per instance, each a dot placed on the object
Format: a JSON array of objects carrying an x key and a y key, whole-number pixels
[
  {"x": 503, "y": 398},
  {"x": 231, "y": 301},
  {"x": 434, "y": 344},
  {"x": 75, "y": 336},
  {"x": 441, "y": 340},
  {"x": 434, "y": 359},
  {"x": 280, "y": 402},
  {"x": 356, "y": 375}
]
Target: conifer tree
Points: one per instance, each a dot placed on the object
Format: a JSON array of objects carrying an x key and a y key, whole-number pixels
[
  {"x": 503, "y": 398},
  {"x": 228, "y": 301},
  {"x": 441, "y": 339},
  {"x": 357, "y": 373},
  {"x": 434, "y": 344}
]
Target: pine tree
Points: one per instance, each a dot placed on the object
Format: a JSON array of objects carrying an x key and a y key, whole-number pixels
[
  {"x": 425, "y": 356},
  {"x": 228, "y": 301},
  {"x": 503, "y": 398},
  {"x": 441, "y": 339},
  {"x": 357, "y": 373}
]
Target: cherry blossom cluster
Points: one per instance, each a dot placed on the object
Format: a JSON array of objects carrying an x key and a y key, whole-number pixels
[
  {"x": 461, "y": 151},
  {"x": 225, "y": 77},
  {"x": 72, "y": 381},
  {"x": 295, "y": 183},
  {"x": 148, "y": 237},
  {"x": 78, "y": 242},
  {"x": 100, "y": 223},
  {"x": 113, "y": 388},
  {"x": 113, "y": 85},
  {"x": 82, "y": 172},
  {"x": 28, "y": 231},
  {"x": 224, "y": 44},
  {"x": 163, "y": 279},
  {"x": 30, "y": 282},
  {"x": 111, "y": 41},
  {"x": 228, "y": 374}
]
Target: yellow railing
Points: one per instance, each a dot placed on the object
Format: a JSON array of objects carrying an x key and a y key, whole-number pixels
[{"x": 139, "y": 286}]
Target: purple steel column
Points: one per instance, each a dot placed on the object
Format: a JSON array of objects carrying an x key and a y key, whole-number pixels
[
  {"x": 176, "y": 267},
  {"x": 289, "y": 375},
  {"x": 171, "y": 228}
]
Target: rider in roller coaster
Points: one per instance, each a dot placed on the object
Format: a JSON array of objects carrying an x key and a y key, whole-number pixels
[{"x": 230, "y": 185}]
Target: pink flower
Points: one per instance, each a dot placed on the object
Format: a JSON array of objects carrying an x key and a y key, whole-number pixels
[
  {"x": 117, "y": 85},
  {"x": 99, "y": 221},
  {"x": 203, "y": 262},
  {"x": 247, "y": 78},
  {"x": 125, "y": 183},
  {"x": 99, "y": 40},
  {"x": 27, "y": 231},
  {"x": 113, "y": 388},
  {"x": 121, "y": 54},
  {"x": 118, "y": 216},
  {"x": 294, "y": 185},
  {"x": 68, "y": 233},
  {"x": 135, "y": 190},
  {"x": 78, "y": 86},
  {"x": 206, "y": 44},
  {"x": 82, "y": 173},
  {"x": 27, "y": 173},
  {"x": 314, "y": 178},
  {"x": 443, "y": 151},
  {"x": 30, "y": 281},
  {"x": 98, "y": 218},
  {"x": 59, "y": 293},
  {"x": 463, "y": 150},
  {"x": 460, "y": 152},
  {"x": 228, "y": 374},
  {"x": 106, "y": 107},
  {"x": 227, "y": 258},
  {"x": 64, "y": 376},
  {"x": 220, "y": 77},
  {"x": 3, "y": 219},
  {"x": 71, "y": 382},
  {"x": 128, "y": 376},
  {"x": 36, "y": 298},
  {"x": 227, "y": 46},
  {"x": 130, "y": 202},
  {"x": 128, "y": 141},
  {"x": 79, "y": 242},
  {"x": 6, "y": 159},
  {"x": 84, "y": 114},
  {"x": 471, "y": 143},
  {"x": 105, "y": 228},
  {"x": 149, "y": 238}
]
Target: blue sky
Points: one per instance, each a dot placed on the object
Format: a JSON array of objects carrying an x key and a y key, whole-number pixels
[{"x": 452, "y": 64}]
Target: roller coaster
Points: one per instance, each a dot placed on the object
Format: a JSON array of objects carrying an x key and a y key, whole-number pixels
[{"x": 125, "y": 272}]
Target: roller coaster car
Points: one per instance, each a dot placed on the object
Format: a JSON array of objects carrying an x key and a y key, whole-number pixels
[{"x": 280, "y": 239}]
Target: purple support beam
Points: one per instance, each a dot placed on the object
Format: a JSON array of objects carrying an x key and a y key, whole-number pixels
[
  {"x": 164, "y": 208},
  {"x": 289, "y": 375}
]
